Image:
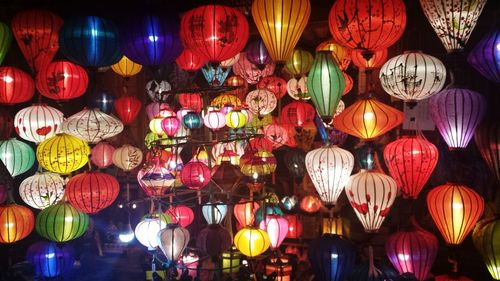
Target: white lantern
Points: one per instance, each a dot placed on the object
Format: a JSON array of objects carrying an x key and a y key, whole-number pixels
[
  {"x": 173, "y": 240},
  {"x": 214, "y": 213},
  {"x": 329, "y": 168},
  {"x": 412, "y": 76},
  {"x": 147, "y": 231},
  {"x": 38, "y": 122},
  {"x": 127, "y": 157},
  {"x": 297, "y": 89},
  {"x": 371, "y": 195},
  {"x": 214, "y": 120},
  {"x": 42, "y": 190},
  {"x": 261, "y": 102},
  {"x": 92, "y": 125},
  {"x": 156, "y": 90}
]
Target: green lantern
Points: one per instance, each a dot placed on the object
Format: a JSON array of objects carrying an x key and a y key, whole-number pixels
[
  {"x": 325, "y": 84},
  {"x": 5, "y": 40},
  {"x": 486, "y": 237},
  {"x": 17, "y": 156},
  {"x": 61, "y": 223}
]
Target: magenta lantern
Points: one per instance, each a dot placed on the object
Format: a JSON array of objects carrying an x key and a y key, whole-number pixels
[
  {"x": 257, "y": 53},
  {"x": 251, "y": 72},
  {"x": 277, "y": 228},
  {"x": 195, "y": 174},
  {"x": 170, "y": 125},
  {"x": 102, "y": 155},
  {"x": 181, "y": 215}
]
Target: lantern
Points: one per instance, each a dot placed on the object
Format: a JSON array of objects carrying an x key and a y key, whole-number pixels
[
  {"x": 294, "y": 227},
  {"x": 487, "y": 138},
  {"x": 371, "y": 195},
  {"x": 251, "y": 241},
  {"x": 411, "y": 161},
  {"x": 214, "y": 240},
  {"x": 297, "y": 89},
  {"x": 62, "y": 80},
  {"x": 8, "y": 124},
  {"x": 299, "y": 63},
  {"x": 214, "y": 213},
  {"x": 126, "y": 68},
  {"x": 191, "y": 101},
  {"x": 149, "y": 227},
  {"x": 244, "y": 212},
  {"x": 277, "y": 228},
  {"x": 226, "y": 176},
  {"x": 251, "y": 72},
  {"x": 214, "y": 120},
  {"x": 42, "y": 190},
  {"x": 367, "y": 119},
  {"x": 92, "y": 125},
  {"x": 17, "y": 156},
  {"x": 192, "y": 120},
  {"x": 225, "y": 64},
  {"x": 231, "y": 261},
  {"x": 257, "y": 54},
  {"x": 62, "y": 154},
  {"x": 412, "y": 76},
  {"x": 127, "y": 108},
  {"x": 215, "y": 76},
  {"x": 452, "y": 20},
  {"x": 329, "y": 168},
  {"x": 235, "y": 119},
  {"x": 348, "y": 83},
  {"x": 102, "y": 100},
  {"x": 195, "y": 174},
  {"x": 239, "y": 86},
  {"x": 378, "y": 25},
  {"x": 456, "y": 113},
  {"x": 297, "y": 113},
  {"x": 190, "y": 61},
  {"x": 274, "y": 84},
  {"x": 280, "y": 24},
  {"x": 37, "y": 34},
  {"x": 484, "y": 56},
  {"x": 5, "y": 40},
  {"x": 341, "y": 54},
  {"x": 258, "y": 164},
  {"x": 172, "y": 241},
  {"x": 102, "y": 155},
  {"x": 16, "y": 222},
  {"x": 90, "y": 41},
  {"x": 49, "y": 260},
  {"x": 224, "y": 100},
  {"x": 170, "y": 125},
  {"x": 16, "y": 86},
  {"x": 127, "y": 157},
  {"x": 181, "y": 215},
  {"x": 336, "y": 225},
  {"x": 61, "y": 223},
  {"x": 156, "y": 90},
  {"x": 155, "y": 178},
  {"x": 310, "y": 204},
  {"x": 201, "y": 32},
  {"x": 455, "y": 210},
  {"x": 261, "y": 102},
  {"x": 485, "y": 237},
  {"x": 375, "y": 61},
  {"x": 332, "y": 257}
]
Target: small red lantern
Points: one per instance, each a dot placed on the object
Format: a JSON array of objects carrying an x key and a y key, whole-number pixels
[
  {"x": 261, "y": 143},
  {"x": 310, "y": 204},
  {"x": 297, "y": 113},
  {"x": 190, "y": 61},
  {"x": 128, "y": 108},
  {"x": 376, "y": 61},
  {"x": 16, "y": 86},
  {"x": 240, "y": 83},
  {"x": 294, "y": 227},
  {"x": 170, "y": 125},
  {"x": 181, "y": 215},
  {"x": 191, "y": 101},
  {"x": 274, "y": 84},
  {"x": 348, "y": 83},
  {"x": 244, "y": 212},
  {"x": 195, "y": 174},
  {"x": 62, "y": 80},
  {"x": 102, "y": 155}
]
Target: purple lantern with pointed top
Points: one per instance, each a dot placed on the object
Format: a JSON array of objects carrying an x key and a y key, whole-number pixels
[{"x": 485, "y": 57}]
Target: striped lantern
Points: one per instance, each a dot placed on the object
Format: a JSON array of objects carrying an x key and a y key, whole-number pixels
[
  {"x": 299, "y": 63},
  {"x": 61, "y": 223},
  {"x": 38, "y": 122},
  {"x": 62, "y": 154},
  {"x": 148, "y": 228},
  {"x": 332, "y": 257},
  {"x": 257, "y": 53},
  {"x": 16, "y": 222},
  {"x": 62, "y": 80},
  {"x": 214, "y": 120},
  {"x": 102, "y": 155},
  {"x": 214, "y": 213},
  {"x": 173, "y": 240},
  {"x": 456, "y": 113},
  {"x": 92, "y": 125},
  {"x": 251, "y": 241},
  {"x": 261, "y": 102},
  {"x": 50, "y": 261},
  {"x": 5, "y": 40},
  {"x": 251, "y": 72},
  {"x": 126, "y": 68},
  {"x": 375, "y": 61},
  {"x": 42, "y": 190},
  {"x": 16, "y": 86},
  {"x": 17, "y": 156},
  {"x": 485, "y": 237},
  {"x": 127, "y": 157},
  {"x": 276, "y": 227},
  {"x": 485, "y": 55}
]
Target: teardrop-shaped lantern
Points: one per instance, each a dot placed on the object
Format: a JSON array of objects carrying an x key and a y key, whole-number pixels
[
  {"x": 276, "y": 227},
  {"x": 486, "y": 235},
  {"x": 332, "y": 257},
  {"x": 17, "y": 156},
  {"x": 127, "y": 108}
]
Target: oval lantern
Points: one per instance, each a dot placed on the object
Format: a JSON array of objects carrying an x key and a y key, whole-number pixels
[
  {"x": 214, "y": 213},
  {"x": 251, "y": 72},
  {"x": 102, "y": 155},
  {"x": 16, "y": 222},
  {"x": 332, "y": 257},
  {"x": 213, "y": 240},
  {"x": 92, "y": 125},
  {"x": 17, "y": 156},
  {"x": 261, "y": 102},
  {"x": 126, "y": 68},
  {"x": 349, "y": 83},
  {"x": 127, "y": 157},
  {"x": 455, "y": 209},
  {"x": 195, "y": 174},
  {"x": 299, "y": 63},
  {"x": 277, "y": 229},
  {"x": 456, "y": 113},
  {"x": 62, "y": 81},
  {"x": 49, "y": 260},
  {"x": 244, "y": 212},
  {"x": 485, "y": 235},
  {"x": 484, "y": 56},
  {"x": 189, "y": 61},
  {"x": 173, "y": 240},
  {"x": 257, "y": 54},
  {"x": 61, "y": 223},
  {"x": 42, "y": 190},
  {"x": 251, "y": 241},
  {"x": 16, "y": 86},
  {"x": 275, "y": 84},
  {"x": 192, "y": 120},
  {"x": 62, "y": 154},
  {"x": 375, "y": 61},
  {"x": 341, "y": 54},
  {"x": 235, "y": 119},
  {"x": 297, "y": 89},
  {"x": 148, "y": 228},
  {"x": 181, "y": 215},
  {"x": 297, "y": 113}
]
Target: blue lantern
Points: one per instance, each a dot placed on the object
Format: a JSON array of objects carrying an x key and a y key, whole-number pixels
[
  {"x": 485, "y": 57},
  {"x": 103, "y": 100},
  {"x": 192, "y": 120},
  {"x": 332, "y": 257},
  {"x": 49, "y": 260},
  {"x": 215, "y": 76}
]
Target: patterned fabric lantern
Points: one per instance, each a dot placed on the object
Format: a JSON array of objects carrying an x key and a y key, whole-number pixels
[
  {"x": 42, "y": 190},
  {"x": 102, "y": 155},
  {"x": 297, "y": 113},
  {"x": 127, "y": 157},
  {"x": 412, "y": 76},
  {"x": 251, "y": 241},
  {"x": 485, "y": 55},
  {"x": 325, "y": 84},
  {"x": 456, "y": 113},
  {"x": 294, "y": 227},
  {"x": 126, "y": 68},
  {"x": 155, "y": 178},
  {"x": 102, "y": 100},
  {"x": 62, "y": 81},
  {"x": 49, "y": 260},
  {"x": 61, "y": 223},
  {"x": 375, "y": 61},
  {"x": 173, "y": 240},
  {"x": 367, "y": 119},
  {"x": 277, "y": 228},
  {"x": 332, "y": 257},
  {"x": 181, "y": 215},
  {"x": 485, "y": 237},
  {"x": 299, "y": 63},
  {"x": 148, "y": 228},
  {"x": 201, "y": 32},
  {"x": 16, "y": 222},
  {"x": 17, "y": 156},
  {"x": 455, "y": 210},
  {"x": 156, "y": 90},
  {"x": 261, "y": 102},
  {"x": 90, "y": 41},
  {"x": 5, "y": 40},
  {"x": 62, "y": 154},
  {"x": 92, "y": 125},
  {"x": 275, "y": 84},
  {"x": 191, "y": 101},
  {"x": 329, "y": 168},
  {"x": 258, "y": 164},
  {"x": 297, "y": 89},
  {"x": 16, "y": 86},
  {"x": 214, "y": 120},
  {"x": 190, "y": 61},
  {"x": 223, "y": 100},
  {"x": 371, "y": 195},
  {"x": 213, "y": 240},
  {"x": 214, "y": 213},
  {"x": 37, "y": 34},
  {"x": 487, "y": 138},
  {"x": 280, "y": 24},
  {"x": 341, "y": 54},
  {"x": 278, "y": 135},
  {"x": 411, "y": 161},
  {"x": 251, "y": 72},
  {"x": 195, "y": 174},
  {"x": 244, "y": 212},
  {"x": 225, "y": 64},
  {"x": 452, "y": 20},
  {"x": 310, "y": 204}
]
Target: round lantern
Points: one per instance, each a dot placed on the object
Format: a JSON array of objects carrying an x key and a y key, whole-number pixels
[
  {"x": 191, "y": 101},
  {"x": 170, "y": 125},
  {"x": 367, "y": 119},
  {"x": 456, "y": 113},
  {"x": 181, "y": 215},
  {"x": 149, "y": 227},
  {"x": 214, "y": 120},
  {"x": 61, "y": 223},
  {"x": 16, "y": 222},
  {"x": 297, "y": 89},
  {"x": 190, "y": 61},
  {"x": 297, "y": 113},
  {"x": 261, "y": 143},
  {"x": 325, "y": 84},
  {"x": 5, "y": 40},
  {"x": 127, "y": 108},
  {"x": 62, "y": 154},
  {"x": 215, "y": 76},
  {"x": 38, "y": 39},
  {"x": 411, "y": 161},
  {"x": 244, "y": 212},
  {"x": 258, "y": 164},
  {"x": 453, "y": 21},
  {"x": 102, "y": 155},
  {"x": 195, "y": 175},
  {"x": 455, "y": 210},
  {"x": 214, "y": 213},
  {"x": 485, "y": 237},
  {"x": 251, "y": 72},
  {"x": 16, "y": 86},
  {"x": 239, "y": 86},
  {"x": 332, "y": 257},
  {"x": 299, "y": 63},
  {"x": 92, "y": 125},
  {"x": 17, "y": 156},
  {"x": 261, "y": 102},
  {"x": 485, "y": 55},
  {"x": 375, "y": 61},
  {"x": 156, "y": 90},
  {"x": 127, "y": 157},
  {"x": 172, "y": 241},
  {"x": 42, "y": 190},
  {"x": 412, "y": 76},
  {"x": 251, "y": 241},
  {"x": 294, "y": 227},
  {"x": 277, "y": 229},
  {"x": 201, "y": 32},
  {"x": 257, "y": 54},
  {"x": 367, "y": 25},
  {"x": 371, "y": 195},
  {"x": 329, "y": 168},
  {"x": 213, "y": 240},
  {"x": 90, "y": 192},
  {"x": 341, "y": 54},
  {"x": 49, "y": 260},
  {"x": 62, "y": 80},
  {"x": 280, "y": 24},
  {"x": 126, "y": 68},
  {"x": 277, "y": 134},
  {"x": 487, "y": 138},
  {"x": 101, "y": 99},
  {"x": 235, "y": 119},
  {"x": 275, "y": 84},
  {"x": 192, "y": 120}
]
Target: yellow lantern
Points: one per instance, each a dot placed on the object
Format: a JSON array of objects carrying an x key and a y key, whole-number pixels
[
  {"x": 231, "y": 261},
  {"x": 62, "y": 154},
  {"x": 251, "y": 241},
  {"x": 299, "y": 63},
  {"x": 280, "y": 24},
  {"x": 155, "y": 126},
  {"x": 126, "y": 68},
  {"x": 226, "y": 99},
  {"x": 235, "y": 119},
  {"x": 341, "y": 54},
  {"x": 336, "y": 225}
]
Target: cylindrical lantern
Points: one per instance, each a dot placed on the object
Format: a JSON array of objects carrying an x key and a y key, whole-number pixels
[
  {"x": 127, "y": 108},
  {"x": 485, "y": 55},
  {"x": 251, "y": 241},
  {"x": 332, "y": 257},
  {"x": 62, "y": 80},
  {"x": 102, "y": 155},
  {"x": 16, "y": 222},
  {"x": 213, "y": 240},
  {"x": 277, "y": 229},
  {"x": 257, "y": 54},
  {"x": 251, "y": 72},
  {"x": 38, "y": 122},
  {"x": 49, "y": 260},
  {"x": 127, "y": 157},
  {"x": 181, "y": 215},
  {"x": 261, "y": 102},
  {"x": 214, "y": 213},
  {"x": 173, "y": 240},
  {"x": 190, "y": 61},
  {"x": 16, "y": 86},
  {"x": 148, "y": 228},
  {"x": 42, "y": 190},
  {"x": 92, "y": 125},
  {"x": 126, "y": 67},
  {"x": 375, "y": 61},
  {"x": 244, "y": 212},
  {"x": 17, "y": 156},
  {"x": 61, "y": 223},
  {"x": 62, "y": 154},
  {"x": 486, "y": 235}
]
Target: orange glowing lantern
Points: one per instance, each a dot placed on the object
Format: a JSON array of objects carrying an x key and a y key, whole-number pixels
[
  {"x": 376, "y": 61},
  {"x": 244, "y": 212}
]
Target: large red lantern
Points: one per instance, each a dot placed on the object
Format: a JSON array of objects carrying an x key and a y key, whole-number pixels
[
  {"x": 62, "y": 80},
  {"x": 16, "y": 86},
  {"x": 128, "y": 108},
  {"x": 297, "y": 113},
  {"x": 215, "y": 32},
  {"x": 181, "y": 215},
  {"x": 190, "y": 61},
  {"x": 195, "y": 174},
  {"x": 191, "y": 101}
]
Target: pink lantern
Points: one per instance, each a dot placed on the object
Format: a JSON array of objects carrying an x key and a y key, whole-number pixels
[
  {"x": 196, "y": 174},
  {"x": 261, "y": 102},
  {"x": 277, "y": 229},
  {"x": 102, "y": 155},
  {"x": 181, "y": 215},
  {"x": 170, "y": 125},
  {"x": 251, "y": 72},
  {"x": 214, "y": 120},
  {"x": 154, "y": 108},
  {"x": 276, "y": 134}
]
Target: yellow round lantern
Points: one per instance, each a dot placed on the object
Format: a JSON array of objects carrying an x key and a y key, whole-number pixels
[
  {"x": 235, "y": 119},
  {"x": 251, "y": 241},
  {"x": 62, "y": 154},
  {"x": 126, "y": 68},
  {"x": 226, "y": 99},
  {"x": 155, "y": 126},
  {"x": 299, "y": 63}
]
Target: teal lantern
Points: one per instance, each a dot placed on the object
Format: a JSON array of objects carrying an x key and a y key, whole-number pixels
[
  {"x": 270, "y": 210},
  {"x": 325, "y": 84},
  {"x": 17, "y": 156},
  {"x": 61, "y": 223},
  {"x": 5, "y": 40}
]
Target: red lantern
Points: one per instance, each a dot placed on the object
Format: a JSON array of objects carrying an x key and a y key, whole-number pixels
[
  {"x": 244, "y": 212},
  {"x": 277, "y": 134},
  {"x": 170, "y": 125},
  {"x": 260, "y": 143},
  {"x": 240, "y": 84},
  {"x": 181, "y": 215},
  {"x": 294, "y": 227},
  {"x": 348, "y": 83},
  {"x": 215, "y": 32},
  {"x": 274, "y": 84},
  {"x": 190, "y": 61},
  {"x": 102, "y": 155},
  {"x": 310, "y": 204},
  {"x": 376, "y": 61},
  {"x": 127, "y": 109},
  {"x": 195, "y": 174},
  {"x": 62, "y": 80},
  {"x": 191, "y": 101},
  {"x": 297, "y": 113},
  {"x": 91, "y": 192},
  {"x": 16, "y": 86}
]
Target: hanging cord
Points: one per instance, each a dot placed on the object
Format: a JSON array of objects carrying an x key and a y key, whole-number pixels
[{"x": 372, "y": 270}]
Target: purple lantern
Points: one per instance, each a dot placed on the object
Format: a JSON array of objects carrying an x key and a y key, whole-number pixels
[
  {"x": 51, "y": 261},
  {"x": 485, "y": 57},
  {"x": 456, "y": 113},
  {"x": 257, "y": 53}
]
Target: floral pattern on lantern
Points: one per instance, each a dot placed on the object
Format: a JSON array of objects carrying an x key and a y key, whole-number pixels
[
  {"x": 275, "y": 84},
  {"x": 62, "y": 154},
  {"x": 92, "y": 125},
  {"x": 16, "y": 222},
  {"x": 127, "y": 157},
  {"x": 215, "y": 76},
  {"x": 261, "y": 102},
  {"x": 62, "y": 81},
  {"x": 61, "y": 223},
  {"x": 17, "y": 156},
  {"x": 16, "y": 86},
  {"x": 297, "y": 89},
  {"x": 42, "y": 190},
  {"x": 251, "y": 72},
  {"x": 38, "y": 122}
]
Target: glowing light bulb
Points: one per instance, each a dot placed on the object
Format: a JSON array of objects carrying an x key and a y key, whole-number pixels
[
  {"x": 335, "y": 256},
  {"x": 368, "y": 116},
  {"x": 153, "y": 38},
  {"x": 126, "y": 237},
  {"x": 403, "y": 257}
]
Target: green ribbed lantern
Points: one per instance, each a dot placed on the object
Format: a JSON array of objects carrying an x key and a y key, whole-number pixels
[
  {"x": 17, "y": 156},
  {"x": 5, "y": 40},
  {"x": 486, "y": 237},
  {"x": 325, "y": 84},
  {"x": 61, "y": 223}
]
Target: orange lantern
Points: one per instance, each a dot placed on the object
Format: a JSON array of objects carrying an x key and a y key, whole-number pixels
[
  {"x": 16, "y": 222},
  {"x": 341, "y": 54},
  {"x": 376, "y": 61},
  {"x": 244, "y": 212},
  {"x": 310, "y": 204}
]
